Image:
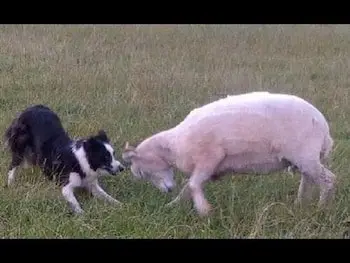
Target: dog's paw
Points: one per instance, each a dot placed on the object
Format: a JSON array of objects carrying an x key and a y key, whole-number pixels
[
  {"x": 115, "y": 202},
  {"x": 76, "y": 214},
  {"x": 79, "y": 212}
]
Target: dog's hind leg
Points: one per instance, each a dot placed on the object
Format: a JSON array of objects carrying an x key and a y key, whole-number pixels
[
  {"x": 16, "y": 161},
  {"x": 98, "y": 192},
  {"x": 68, "y": 192},
  {"x": 30, "y": 159},
  {"x": 26, "y": 163}
]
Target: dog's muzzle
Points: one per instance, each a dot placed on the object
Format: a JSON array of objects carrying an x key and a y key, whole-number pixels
[{"x": 112, "y": 171}]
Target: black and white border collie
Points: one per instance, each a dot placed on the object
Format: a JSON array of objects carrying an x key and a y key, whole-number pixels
[{"x": 37, "y": 137}]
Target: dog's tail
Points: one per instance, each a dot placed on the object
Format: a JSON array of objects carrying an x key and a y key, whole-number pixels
[{"x": 16, "y": 135}]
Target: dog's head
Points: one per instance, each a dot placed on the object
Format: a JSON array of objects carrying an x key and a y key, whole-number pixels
[
  {"x": 101, "y": 155},
  {"x": 148, "y": 165}
]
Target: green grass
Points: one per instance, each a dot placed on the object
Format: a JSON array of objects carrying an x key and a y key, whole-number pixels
[{"x": 134, "y": 81}]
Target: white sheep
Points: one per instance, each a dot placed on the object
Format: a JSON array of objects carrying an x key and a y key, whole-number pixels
[{"x": 258, "y": 132}]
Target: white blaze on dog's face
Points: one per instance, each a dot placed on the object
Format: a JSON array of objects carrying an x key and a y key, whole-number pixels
[
  {"x": 114, "y": 163},
  {"x": 150, "y": 167},
  {"x": 113, "y": 166},
  {"x": 100, "y": 155}
]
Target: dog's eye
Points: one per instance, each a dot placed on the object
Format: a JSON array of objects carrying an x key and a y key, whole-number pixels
[{"x": 106, "y": 157}]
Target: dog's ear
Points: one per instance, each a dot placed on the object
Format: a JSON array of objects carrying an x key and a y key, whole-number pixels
[
  {"x": 102, "y": 136},
  {"x": 91, "y": 143},
  {"x": 129, "y": 153}
]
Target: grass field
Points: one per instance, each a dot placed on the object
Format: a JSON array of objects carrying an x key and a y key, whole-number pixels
[{"x": 134, "y": 81}]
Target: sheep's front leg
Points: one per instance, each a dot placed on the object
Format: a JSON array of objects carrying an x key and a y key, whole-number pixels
[
  {"x": 205, "y": 169},
  {"x": 184, "y": 194},
  {"x": 195, "y": 185}
]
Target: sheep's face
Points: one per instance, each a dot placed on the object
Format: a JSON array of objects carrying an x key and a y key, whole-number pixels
[{"x": 150, "y": 167}]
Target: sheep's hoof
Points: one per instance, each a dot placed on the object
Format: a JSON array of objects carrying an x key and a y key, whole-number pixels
[
  {"x": 116, "y": 203},
  {"x": 346, "y": 222},
  {"x": 297, "y": 202},
  {"x": 205, "y": 210},
  {"x": 172, "y": 203}
]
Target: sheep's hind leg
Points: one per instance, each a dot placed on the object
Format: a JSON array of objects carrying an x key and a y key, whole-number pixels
[
  {"x": 314, "y": 172},
  {"x": 304, "y": 192},
  {"x": 327, "y": 182}
]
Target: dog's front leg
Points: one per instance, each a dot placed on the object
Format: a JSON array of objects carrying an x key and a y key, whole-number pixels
[
  {"x": 68, "y": 192},
  {"x": 98, "y": 192}
]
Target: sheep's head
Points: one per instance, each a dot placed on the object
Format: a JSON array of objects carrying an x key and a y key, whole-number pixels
[{"x": 146, "y": 164}]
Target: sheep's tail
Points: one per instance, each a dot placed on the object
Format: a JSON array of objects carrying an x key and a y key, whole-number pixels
[{"x": 326, "y": 148}]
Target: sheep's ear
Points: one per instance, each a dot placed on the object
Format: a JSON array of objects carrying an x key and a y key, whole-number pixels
[
  {"x": 129, "y": 153},
  {"x": 128, "y": 147}
]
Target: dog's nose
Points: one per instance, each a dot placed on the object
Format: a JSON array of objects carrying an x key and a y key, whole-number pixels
[{"x": 121, "y": 168}]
